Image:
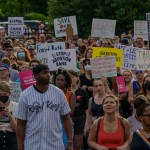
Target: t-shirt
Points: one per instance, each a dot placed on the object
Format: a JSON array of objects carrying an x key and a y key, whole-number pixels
[
  {"x": 81, "y": 102},
  {"x": 5, "y": 121}
]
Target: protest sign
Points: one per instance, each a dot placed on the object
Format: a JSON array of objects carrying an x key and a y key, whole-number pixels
[
  {"x": 140, "y": 30},
  {"x": 103, "y": 28},
  {"x": 129, "y": 56},
  {"x": 61, "y": 24},
  {"x": 26, "y": 79},
  {"x": 103, "y": 51},
  {"x": 15, "y": 26},
  {"x": 103, "y": 67},
  {"x": 148, "y": 27},
  {"x": 43, "y": 50},
  {"x": 121, "y": 84},
  {"x": 62, "y": 59},
  {"x": 15, "y": 91},
  {"x": 143, "y": 59}
]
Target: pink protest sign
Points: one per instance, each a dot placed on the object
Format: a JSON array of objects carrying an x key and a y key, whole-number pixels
[
  {"x": 121, "y": 84},
  {"x": 26, "y": 79}
]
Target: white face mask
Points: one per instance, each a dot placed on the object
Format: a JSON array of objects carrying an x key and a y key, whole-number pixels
[{"x": 87, "y": 68}]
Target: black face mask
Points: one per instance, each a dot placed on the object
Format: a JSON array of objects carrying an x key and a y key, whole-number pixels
[
  {"x": 147, "y": 85},
  {"x": 4, "y": 99}
]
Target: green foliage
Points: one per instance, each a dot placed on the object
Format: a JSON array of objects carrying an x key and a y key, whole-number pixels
[
  {"x": 35, "y": 16},
  {"x": 123, "y": 11}
]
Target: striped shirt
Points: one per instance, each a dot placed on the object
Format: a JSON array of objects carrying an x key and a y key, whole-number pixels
[{"x": 42, "y": 112}]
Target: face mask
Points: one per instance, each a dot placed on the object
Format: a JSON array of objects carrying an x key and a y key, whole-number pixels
[
  {"x": 21, "y": 55},
  {"x": 4, "y": 99},
  {"x": 147, "y": 85},
  {"x": 87, "y": 68}
]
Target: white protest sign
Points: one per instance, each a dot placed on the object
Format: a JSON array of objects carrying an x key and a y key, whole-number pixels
[
  {"x": 129, "y": 60},
  {"x": 15, "y": 91},
  {"x": 43, "y": 50},
  {"x": 62, "y": 59},
  {"x": 143, "y": 60},
  {"x": 103, "y": 67},
  {"x": 15, "y": 30},
  {"x": 15, "y": 20},
  {"x": 60, "y": 25},
  {"x": 103, "y": 28},
  {"x": 141, "y": 30},
  {"x": 15, "y": 26}
]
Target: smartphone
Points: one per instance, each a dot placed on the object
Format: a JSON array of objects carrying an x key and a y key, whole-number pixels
[{"x": 1, "y": 108}]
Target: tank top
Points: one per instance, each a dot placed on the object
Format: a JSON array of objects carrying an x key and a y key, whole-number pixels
[
  {"x": 110, "y": 140},
  {"x": 96, "y": 109},
  {"x": 139, "y": 142},
  {"x": 67, "y": 94}
]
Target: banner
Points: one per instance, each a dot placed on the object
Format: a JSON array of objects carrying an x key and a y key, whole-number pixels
[
  {"x": 143, "y": 60},
  {"x": 103, "y": 67},
  {"x": 129, "y": 58},
  {"x": 121, "y": 84},
  {"x": 15, "y": 91},
  {"x": 15, "y": 26},
  {"x": 62, "y": 59},
  {"x": 61, "y": 24},
  {"x": 103, "y": 51},
  {"x": 43, "y": 50},
  {"x": 103, "y": 28},
  {"x": 26, "y": 79},
  {"x": 140, "y": 30}
]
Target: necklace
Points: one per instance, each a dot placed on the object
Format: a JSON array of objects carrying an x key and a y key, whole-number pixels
[
  {"x": 75, "y": 89},
  {"x": 147, "y": 135}
]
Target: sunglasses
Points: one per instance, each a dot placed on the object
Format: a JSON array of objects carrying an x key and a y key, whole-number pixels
[
  {"x": 139, "y": 71},
  {"x": 9, "y": 49},
  {"x": 146, "y": 115}
]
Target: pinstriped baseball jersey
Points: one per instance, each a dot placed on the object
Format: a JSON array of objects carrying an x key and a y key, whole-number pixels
[{"x": 42, "y": 112}]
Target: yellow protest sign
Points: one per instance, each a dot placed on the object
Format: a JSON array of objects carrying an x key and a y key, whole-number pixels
[{"x": 103, "y": 51}]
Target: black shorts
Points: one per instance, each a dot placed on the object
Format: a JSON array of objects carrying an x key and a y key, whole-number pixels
[
  {"x": 79, "y": 122},
  {"x": 8, "y": 140}
]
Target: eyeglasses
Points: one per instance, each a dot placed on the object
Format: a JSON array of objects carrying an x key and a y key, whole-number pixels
[
  {"x": 3, "y": 70},
  {"x": 139, "y": 71},
  {"x": 9, "y": 49},
  {"x": 146, "y": 115},
  {"x": 12, "y": 58}
]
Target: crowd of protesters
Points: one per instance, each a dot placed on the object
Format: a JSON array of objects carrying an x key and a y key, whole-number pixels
[{"x": 101, "y": 118}]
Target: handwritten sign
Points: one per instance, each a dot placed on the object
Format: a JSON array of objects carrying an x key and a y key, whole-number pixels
[
  {"x": 62, "y": 59},
  {"x": 44, "y": 49},
  {"x": 103, "y": 28},
  {"x": 15, "y": 26},
  {"x": 121, "y": 84},
  {"x": 61, "y": 24},
  {"x": 103, "y": 67},
  {"x": 140, "y": 29},
  {"x": 102, "y": 51},
  {"x": 15, "y": 91},
  {"x": 148, "y": 27},
  {"x": 26, "y": 79},
  {"x": 129, "y": 58},
  {"x": 143, "y": 60}
]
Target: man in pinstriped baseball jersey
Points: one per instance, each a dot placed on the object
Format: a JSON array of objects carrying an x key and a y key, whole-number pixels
[{"x": 38, "y": 115}]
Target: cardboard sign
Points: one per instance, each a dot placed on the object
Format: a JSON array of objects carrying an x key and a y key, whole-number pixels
[
  {"x": 26, "y": 79},
  {"x": 140, "y": 30},
  {"x": 129, "y": 58},
  {"x": 103, "y": 28},
  {"x": 103, "y": 51},
  {"x": 143, "y": 60},
  {"x": 103, "y": 67},
  {"x": 44, "y": 49},
  {"x": 121, "y": 84},
  {"x": 15, "y": 91},
  {"x": 62, "y": 59},
  {"x": 148, "y": 27},
  {"x": 15, "y": 20},
  {"x": 61, "y": 24}
]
